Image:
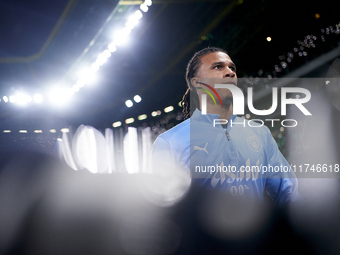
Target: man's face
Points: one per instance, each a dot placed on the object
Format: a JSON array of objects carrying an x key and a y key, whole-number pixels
[
  {"x": 217, "y": 65},
  {"x": 216, "y": 68}
]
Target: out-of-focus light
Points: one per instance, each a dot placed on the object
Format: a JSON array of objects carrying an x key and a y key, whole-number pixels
[
  {"x": 126, "y": 31},
  {"x": 59, "y": 139},
  {"x": 317, "y": 15},
  {"x": 89, "y": 149},
  {"x": 144, "y": 7},
  {"x": 117, "y": 124},
  {"x": 129, "y": 120},
  {"x": 80, "y": 83},
  {"x": 38, "y": 131},
  {"x": 87, "y": 75},
  {"x": 95, "y": 66},
  {"x": 60, "y": 96},
  {"x": 7, "y": 131},
  {"x": 282, "y": 129},
  {"x": 22, "y": 131},
  {"x": 106, "y": 53},
  {"x": 269, "y": 39},
  {"x": 37, "y": 98},
  {"x": 53, "y": 131},
  {"x": 247, "y": 115},
  {"x": 5, "y": 99},
  {"x": 28, "y": 99},
  {"x": 65, "y": 130},
  {"x": 180, "y": 103},
  {"x": 154, "y": 114},
  {"x": 129, "y": 103},
  {"x": 142, "y": 117},
  {"x": 101, "y": 59},
  {"x": 112, "y": 47},
  {"x": 138, "y": 14},
  {"x": 148, "y": 2},
  {"x": 131, "y": 155},
  {"x": 23, "y": 99},
  {"x": 132, "y": 21},
  {"x": 159, "y": 112},
  {"x": 121, "y": 37},
  {"x": 75, "y": 88},
  {"x": 12, "y": 99},
  {"x": 137, "y": 98},
  {"x": 131, "y": 24},
  {"x": 169, "y": 109},
  {"x": 120, "y": 40}
]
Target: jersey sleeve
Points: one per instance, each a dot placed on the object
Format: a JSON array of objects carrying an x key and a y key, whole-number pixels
[
  {"x": 167, "y": 155},
  {"x": 171, "y": 183},
  {"x": 281, "y": 185},
  {"x": 162, "y": 155}
]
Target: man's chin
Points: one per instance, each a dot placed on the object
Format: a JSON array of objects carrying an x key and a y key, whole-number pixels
[{"x": 227, "y": 101}]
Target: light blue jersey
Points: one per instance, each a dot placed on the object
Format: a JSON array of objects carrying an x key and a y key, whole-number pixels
[{"x": 241, "y": 159}]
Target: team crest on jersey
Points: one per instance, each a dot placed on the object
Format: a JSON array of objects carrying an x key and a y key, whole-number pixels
[{"x": 254, "y": 143}]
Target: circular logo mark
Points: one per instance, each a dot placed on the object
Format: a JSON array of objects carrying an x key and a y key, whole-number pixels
[{"x": 254, "y": 143}]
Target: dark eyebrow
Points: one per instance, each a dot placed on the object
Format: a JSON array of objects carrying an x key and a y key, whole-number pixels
[{"x": 223, "y": 63}]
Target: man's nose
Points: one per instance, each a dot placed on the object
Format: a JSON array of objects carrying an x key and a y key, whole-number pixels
[{"x": 229, "y": 73}]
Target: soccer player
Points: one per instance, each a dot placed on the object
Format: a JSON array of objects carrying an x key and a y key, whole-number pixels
[{"x": 241, "y": 160}]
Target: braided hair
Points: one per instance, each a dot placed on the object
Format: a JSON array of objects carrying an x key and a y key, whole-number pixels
[{"x": 192, "y": 68}]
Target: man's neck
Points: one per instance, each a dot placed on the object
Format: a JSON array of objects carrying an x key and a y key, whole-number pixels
[{"x": 225, "y": 113}]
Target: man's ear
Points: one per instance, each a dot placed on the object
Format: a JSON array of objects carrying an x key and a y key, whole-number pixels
[{"x": 194, "y": 82}]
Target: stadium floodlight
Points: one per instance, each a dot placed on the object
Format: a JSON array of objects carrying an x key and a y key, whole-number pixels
[
  {"x": 129, "y": 103},
  {"x": 87, "y": 75},
  {"x": 12, "y": 99},
  {"x": 117, "y": 124},
  {"x": 106, "y": 54},
  {"x": 144, "y": 7},
  {"x": 112, "y": 47},
  {"x": 37, "y": 98},
  {"x": 65, "y": 130},
  {"x": 148, "y": 2},
  {"x": 129, "y": 120},
  {"x": 137, "y": 98},
  {"x": 142, "y": 117},
  {"x": 60, "y": 96},
  {"x": 80, "y": 83},
  {"x": 22, "y": 98},
  {"x": 75, "y": 88},
  {"x": 138, "y": 14},
  {"x": 169, "y": 109},
  {"x": 95, "y": 66},
  {"x": 101, "y": 59},
  {"x": 121, "y": 36}
]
